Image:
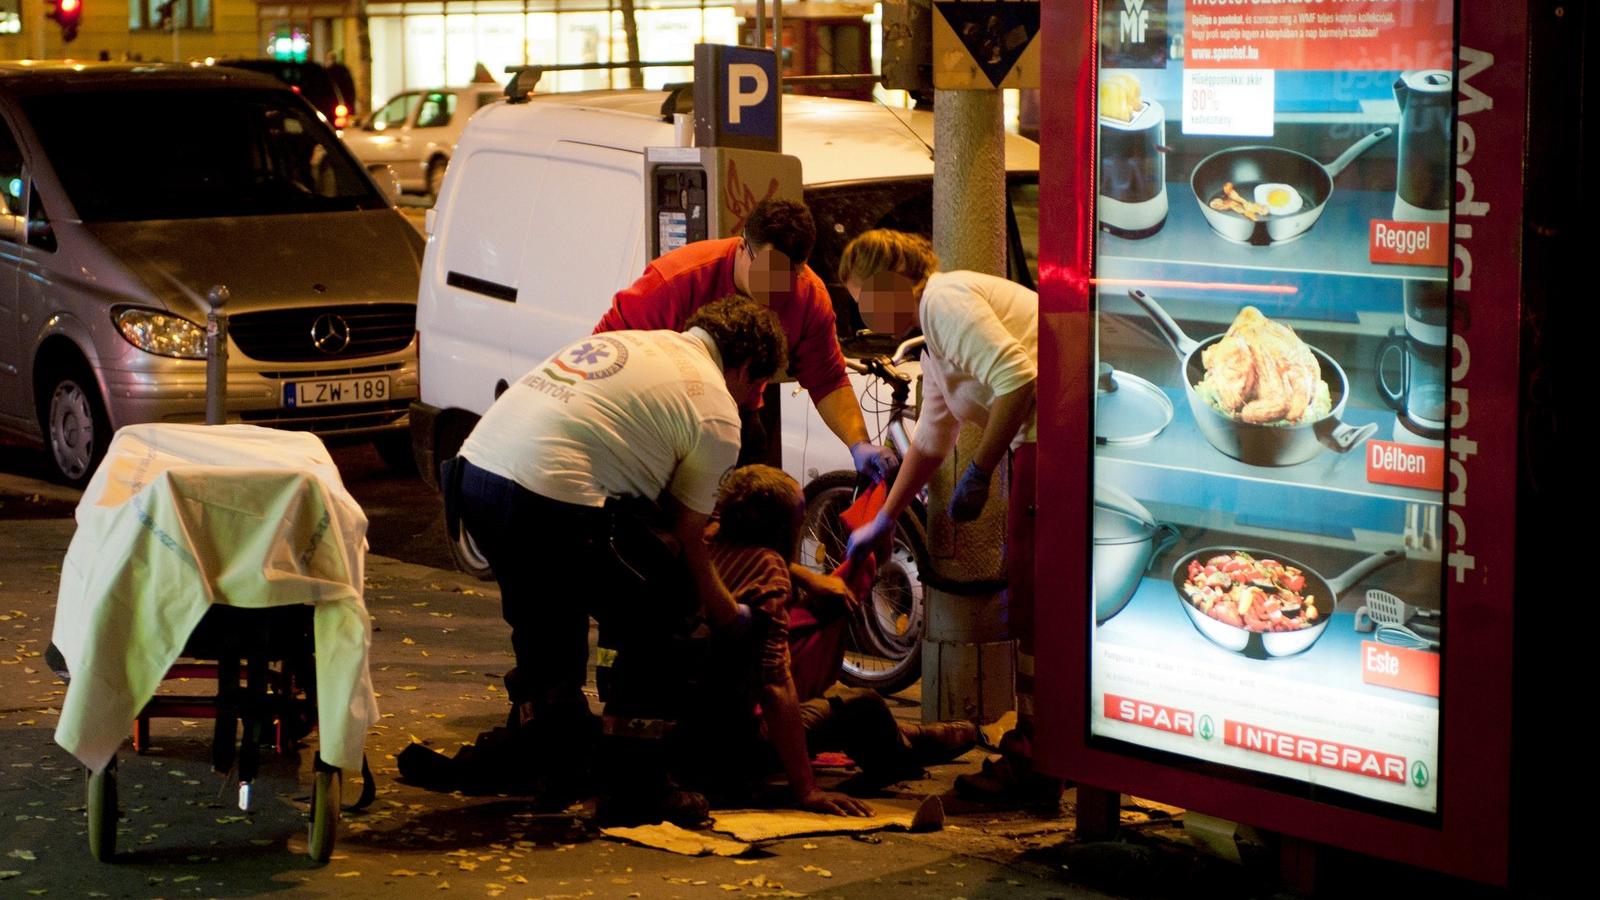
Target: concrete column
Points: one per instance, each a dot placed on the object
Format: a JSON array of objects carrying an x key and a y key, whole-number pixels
[{"x": 968, "y": 659}]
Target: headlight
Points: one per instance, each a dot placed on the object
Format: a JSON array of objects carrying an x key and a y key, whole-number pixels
[{"x": 162, "y": 333}]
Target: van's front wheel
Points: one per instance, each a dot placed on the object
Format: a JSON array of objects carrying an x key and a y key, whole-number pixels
[{"x": 76, "y": 427}]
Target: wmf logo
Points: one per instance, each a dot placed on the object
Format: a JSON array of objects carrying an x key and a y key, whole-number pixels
[
  {"x": 1133, "y": 21},
  {"x": 1133, "y": 34}
]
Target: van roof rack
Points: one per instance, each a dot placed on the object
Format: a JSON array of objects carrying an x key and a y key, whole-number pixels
[
  {"x": 680, "y": 99},
  {"x": 525, "y": 78}
]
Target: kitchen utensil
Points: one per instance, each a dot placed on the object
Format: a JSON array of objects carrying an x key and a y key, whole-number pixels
[
  {"x": 1258, "y": 445},
  {"x": 1401, "y": 636},
  {"x": 1126, "y": 538},
  {"x": 1127, "y": 408},
  {"x": 1259, "y": 645},
  {"x": 1424, "y": 178},
  {"x": 1132, "y": 200},
  {"x": 1246, "y": 167},
  {"x": 1387, "y": 609},
  {"x": 1420, "y": 391}
]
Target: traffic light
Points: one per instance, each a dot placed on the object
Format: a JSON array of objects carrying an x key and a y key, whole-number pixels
[{"x": 66, "y": 13}]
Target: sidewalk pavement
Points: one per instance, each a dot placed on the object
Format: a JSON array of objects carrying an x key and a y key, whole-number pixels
[{"x": 440, "y": 649}]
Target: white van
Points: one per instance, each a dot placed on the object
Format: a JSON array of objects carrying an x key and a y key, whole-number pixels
[{"x": 540, "y": 220}]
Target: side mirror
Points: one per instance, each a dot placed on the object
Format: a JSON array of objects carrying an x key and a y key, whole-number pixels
[
  {"x": 40, "y": 234},
  {"x": 388, "y": 182}
]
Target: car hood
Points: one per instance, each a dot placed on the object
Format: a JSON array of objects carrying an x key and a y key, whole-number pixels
[{"x": 270, "y": 261}]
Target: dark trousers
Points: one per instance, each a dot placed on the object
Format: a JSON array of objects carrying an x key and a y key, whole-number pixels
[
  {"x": 858, "y": 723},
  {"x": 760, "y": 438},
  {"x": 552, "y": 563}
]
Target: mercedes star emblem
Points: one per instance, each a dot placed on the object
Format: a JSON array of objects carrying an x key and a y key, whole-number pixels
[{"x": 330, "y": 333}]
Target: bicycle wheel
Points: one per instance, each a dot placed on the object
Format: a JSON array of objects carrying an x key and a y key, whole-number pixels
[{"x": 884, "y": 647}]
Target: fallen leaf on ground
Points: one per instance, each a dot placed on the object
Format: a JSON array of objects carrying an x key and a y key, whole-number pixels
[
  {"x": 25, "y": 855},
  {"x": 818, "y": 870}
]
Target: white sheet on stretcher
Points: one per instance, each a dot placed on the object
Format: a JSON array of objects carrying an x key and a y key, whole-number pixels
[{"x": 179, "y": 517}]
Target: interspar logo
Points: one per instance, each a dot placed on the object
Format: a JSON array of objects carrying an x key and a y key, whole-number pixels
[{"x": 1328, "y": 754}]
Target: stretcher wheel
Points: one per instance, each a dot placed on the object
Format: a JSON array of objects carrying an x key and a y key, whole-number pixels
[
  {"x": 102, "y": 807},
  {"x": 324, "y": 814}
]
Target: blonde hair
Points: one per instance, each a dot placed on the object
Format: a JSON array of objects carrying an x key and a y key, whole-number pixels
[{"x": 883, "y": 250}]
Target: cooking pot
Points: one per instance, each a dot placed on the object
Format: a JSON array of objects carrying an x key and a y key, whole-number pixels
[
  {"x": 1261, "y": 645},
  {"x": 1258, "y": 445},
  {"x": 1126, "y": 539}
]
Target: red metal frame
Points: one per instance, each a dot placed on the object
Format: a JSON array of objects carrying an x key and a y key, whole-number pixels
[{"x": 1473, "y": 836}]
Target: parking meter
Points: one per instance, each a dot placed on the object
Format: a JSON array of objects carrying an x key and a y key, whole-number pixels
[{"x": 701, "y": 193}]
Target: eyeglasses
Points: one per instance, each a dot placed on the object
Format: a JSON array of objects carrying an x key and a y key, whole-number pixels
[{"x": 747, "y": 248}]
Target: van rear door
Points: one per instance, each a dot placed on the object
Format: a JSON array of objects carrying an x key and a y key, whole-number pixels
[{"x": 585, "y": 241}]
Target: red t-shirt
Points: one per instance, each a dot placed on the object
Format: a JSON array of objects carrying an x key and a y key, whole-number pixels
[{"x": 677, "y": 284}]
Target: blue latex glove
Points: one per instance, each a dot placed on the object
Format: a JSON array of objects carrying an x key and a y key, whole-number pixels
[
  {"x": 873, "y": 536},
  {"x": 971, "y": 492},
  {"x": 874, "y": 461}
]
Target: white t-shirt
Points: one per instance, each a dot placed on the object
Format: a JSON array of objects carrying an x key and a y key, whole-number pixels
[
  {"x": 982, "y": 342},
  {"x": 621, "y": 414}
]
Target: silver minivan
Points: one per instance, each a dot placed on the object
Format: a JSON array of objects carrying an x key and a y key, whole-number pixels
[{"x": 126, "y": 193}]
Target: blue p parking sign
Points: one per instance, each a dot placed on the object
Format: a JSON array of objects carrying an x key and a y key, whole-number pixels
[{"x": 735, "y": 97}]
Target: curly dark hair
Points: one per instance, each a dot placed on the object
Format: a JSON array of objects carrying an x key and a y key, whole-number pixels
[
  {"x": 757, "y": 506},
  {"x": 745, "y": 332},
  {"x": 786, "y": 225}
]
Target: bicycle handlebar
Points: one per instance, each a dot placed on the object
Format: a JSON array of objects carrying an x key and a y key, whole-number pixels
[{"x": 885, "y": 367}]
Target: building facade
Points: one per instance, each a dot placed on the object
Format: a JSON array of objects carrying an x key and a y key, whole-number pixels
[{"x": 131, "y": 30}]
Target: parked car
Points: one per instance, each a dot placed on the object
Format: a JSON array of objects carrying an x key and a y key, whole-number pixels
[
  {"x": 416, "y": 132},
  {"x": 545, "y": 202},
  {"x": 108, "y": 250},
  {"x": 308, "y": 79}
]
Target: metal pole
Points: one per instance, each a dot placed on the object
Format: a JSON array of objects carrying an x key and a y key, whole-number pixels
[
  {"x": 761, "y": 23},
  {"x": 969, "y": 662},
  {"x": 217, "y": 356},
  {"x": 777, "y": 38}
]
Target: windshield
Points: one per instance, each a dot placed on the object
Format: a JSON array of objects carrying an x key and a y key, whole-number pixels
[
  {"x": 846, "y": 210},
  {"x": 197, "y": 153}
]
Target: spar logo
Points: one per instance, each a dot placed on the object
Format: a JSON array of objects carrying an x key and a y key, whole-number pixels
[
  {"x": 1327, "y": 754},
  {"x": 1150, "y": 715},
  {"x": 1419, "y": 774},
  {"x": 595, "y": 358}
]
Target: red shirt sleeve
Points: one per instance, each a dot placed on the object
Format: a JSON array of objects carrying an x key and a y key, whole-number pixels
[
  {"x": 818, "y": 364},
  {"x": 672, "y": 288},
  {"x": 651, "y": 303}
]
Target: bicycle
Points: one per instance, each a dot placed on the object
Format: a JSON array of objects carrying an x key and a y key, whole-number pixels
[{"x": 884, "y": 646}]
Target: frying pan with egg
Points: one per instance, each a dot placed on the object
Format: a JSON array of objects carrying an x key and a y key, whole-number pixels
[
  {"x": 1247, "y": 167},
  {"x": 1258, "y": 445}
]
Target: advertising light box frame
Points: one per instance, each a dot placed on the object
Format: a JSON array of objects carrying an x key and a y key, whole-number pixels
[{"x": 1469, "y": 834}]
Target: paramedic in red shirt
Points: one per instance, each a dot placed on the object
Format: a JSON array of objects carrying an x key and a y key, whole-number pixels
[{"x": 767, "y": 263}]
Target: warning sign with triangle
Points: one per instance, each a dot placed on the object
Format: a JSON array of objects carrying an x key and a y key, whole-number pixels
[{"x": 985, "y": 44}]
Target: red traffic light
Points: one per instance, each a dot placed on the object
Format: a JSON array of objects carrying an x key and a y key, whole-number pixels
[{"x": 66, "y": 13}]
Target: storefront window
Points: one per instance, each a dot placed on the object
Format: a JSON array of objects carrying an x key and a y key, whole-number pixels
[
  {"x": 426, "y": 45},
  {"x": 156, "y": 15},
  {"x": 388, "y": 57},
  {"x": 425, "y": 51}
]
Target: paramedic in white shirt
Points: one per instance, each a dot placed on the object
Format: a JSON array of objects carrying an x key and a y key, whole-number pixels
[
  {"x": 651, "y": 414},
  {"x": 979, "y": 368}
]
